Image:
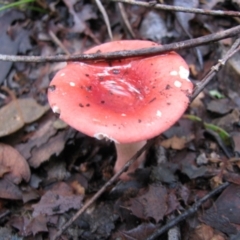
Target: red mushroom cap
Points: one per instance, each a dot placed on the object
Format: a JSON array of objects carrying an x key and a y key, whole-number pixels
[{"x": 123, "y": 100}]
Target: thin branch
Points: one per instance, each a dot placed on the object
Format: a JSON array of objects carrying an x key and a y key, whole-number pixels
[
  {"x": 58, "y": 42},
  {"x": 104, "y": 187},
  {"x": 105, "y": 17},
  {"x": 127, "y": 24},
  {"x": 188, "y": 212},
  {"x": 180, "y": 9},
  {"x": 126, "y": 54},
  {"x": 235, "y": 48}
]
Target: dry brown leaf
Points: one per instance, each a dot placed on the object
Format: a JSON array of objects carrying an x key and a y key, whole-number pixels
[
  {"x": 175, "y": 142},
  {"x": 141, "y": 232},
  {"x": 36, "y": 225},
  {"x": 4, "y": 170},
  {"x": 18, "y": 112},
  {"x": 152, "y": 204},
  {"x": 9, "y": 190},
  {"x": 42, "y": 153},
  {"x": 18, "y": 166},
  {"x": 224, "y": 214},
  {"x": 58, "y": 200},
  {"x": 202, "y": 232}
]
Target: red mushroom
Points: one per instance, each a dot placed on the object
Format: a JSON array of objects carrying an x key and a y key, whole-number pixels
[{"x": 127, "y": 101}]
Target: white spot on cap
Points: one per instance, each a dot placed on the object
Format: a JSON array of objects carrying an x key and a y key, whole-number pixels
[
  {"x": 56, "y": 109},
  {"x": 62, "y": 74},
  {"x": 177, "y": 84},
  {"x": 183, "y": 73},
  {"x": 96, "y": 120},
  {"x": 174, "y": 73},
  {"x": 72, "y": 84},
  {"x": 123, "y": 114},
  {"x": 159, "y": 113},
  {"x": 101, "y": 136}
]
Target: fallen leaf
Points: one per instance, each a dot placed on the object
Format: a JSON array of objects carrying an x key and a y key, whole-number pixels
[
  {"x": 101, "y": 220},
  {"x": 204, "y": 232},
  {"x": 6, "y": 234},
  {"x": 164, "y": 173},
  {"x": 192, "y": 171},
  {"x": 9, "y": 190},
  {"x": 44, "y": 142},
  {"x": 4, "y": 170},
  {"x": 42, "y": 153},
  {"x": 228, "y": 120},
  {"x": 220, "y": 106},
  {"x": 17, "y": 113},
  {"x": 141, "y": 232},
  {"x": 79, "y": 18},
  {"x": 224, "y": 214},
  {"x": 150, "y": 26},
  {"x": 172, "y": 203},
  {"x": 58, "y": 200},
  {"x": 8, "y": 46},
  {"x": 184, "y": 193},
  {"x": 18, "y": 166},
  {"x": 175, "y": 142},
  {"x": 152, "y": 204},
  {"x": 36, "y": 225},
  {"x": 30, "y": 195},
  {"x": 236, "y": 141},
  {"x": 183, "y": 17}
]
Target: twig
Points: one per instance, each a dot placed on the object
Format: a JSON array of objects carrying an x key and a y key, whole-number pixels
[
  {"x": 105, "y": 17},
  {"x": 188, "y": 212},
  {"x": 181, "y": 9},
  {"x": 235, "y": 48},
  {"x": 126, "y": 54},
  {"x": 125, "y": 19},
  {"x": 103, "y": 188},
  {"x": 58, "y": 42}
]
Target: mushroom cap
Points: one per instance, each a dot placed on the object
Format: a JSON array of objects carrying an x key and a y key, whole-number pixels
[{"x": 125, "y": 100}]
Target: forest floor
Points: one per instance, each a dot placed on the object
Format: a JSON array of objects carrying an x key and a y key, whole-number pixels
[{"x": 48, "y": 170}]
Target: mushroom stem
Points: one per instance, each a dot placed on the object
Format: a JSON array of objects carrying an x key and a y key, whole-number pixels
[{"x": 126, "y": 151}]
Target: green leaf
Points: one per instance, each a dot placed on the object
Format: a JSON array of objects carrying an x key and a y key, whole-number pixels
[
  {"x": 215, "y": 93},
  {"x": 221, "y": 132}
]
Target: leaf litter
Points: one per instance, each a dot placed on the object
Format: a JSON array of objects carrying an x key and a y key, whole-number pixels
[{"x": 49, "y": 171}]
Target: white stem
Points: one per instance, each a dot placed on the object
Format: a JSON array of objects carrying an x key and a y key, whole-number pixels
[{"x": 124, "y": 153}]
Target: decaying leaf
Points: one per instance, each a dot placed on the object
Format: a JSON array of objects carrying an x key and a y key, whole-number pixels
[
  {"x": 236, "y": 141},
  {"x": 9, "y": 190},
  {"x": 4, "y": 170},
  {"x": 45, "y": 142},
  {"x": 8, "y": 45},
  {"x": 182, "y": 17},
  {"x": 58, "y": 200},
  {"x": 153, "y": 27},
  {"x": 18, "y": 166},
  {"x": 192, "y": 171},
  {"x": 141, "y": 232},
  {"x": 175, "y": 142},
  {"x": 224, "y": 214},
  {"x": 81, "y": 16},
  {"x": 17, "y": 113},
  {"x": 101, "y": 220},
  {"x": 220, "y": 106},
  {"x": 37, "y": 225},
  {"x": 204, "y": 232},
  {"x": 153, "y": 204}
]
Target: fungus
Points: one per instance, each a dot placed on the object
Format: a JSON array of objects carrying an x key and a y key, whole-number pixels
[{"x": 127, "y": 101}]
